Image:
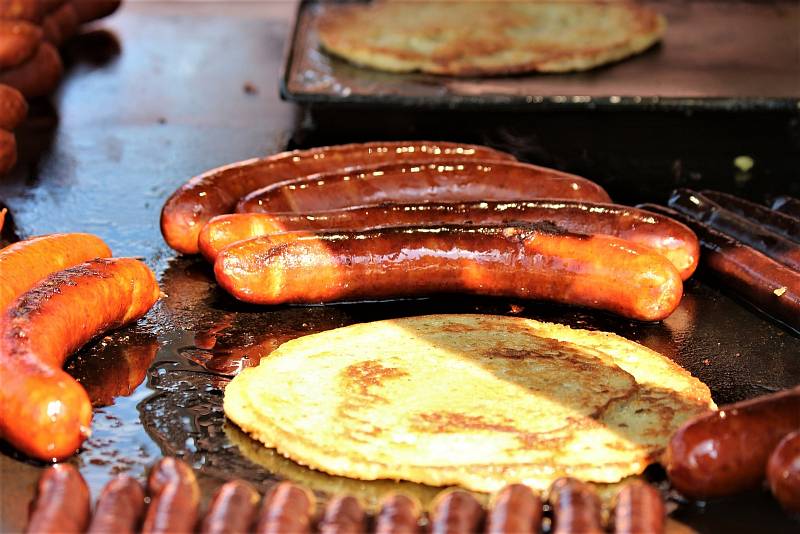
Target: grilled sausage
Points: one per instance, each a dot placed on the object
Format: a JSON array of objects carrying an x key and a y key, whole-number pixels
[
  {"x": 576, "y": 508},
  {"x": 119, "y": 508},
  {"x": 218, "y": 190},
  {"x": 8, "y": 151},
  {"x": 783, "y": 472},
  {"x": 533, "y": 261},
  {"x": 453, "y": 181},
  {"x": 725, "y": 452},
  {"x": 343, "y": 515},
  {"x": 761, "y": 280},
  {"x": 639, "y": 508},
  {"x": 39, "y": 75},
  {"x": 13, "y": 107},
  {"x": 286, "y": 509},
  {"x": 233, "y": 509},
  {"x": 399, "y": 514},
  {"x": 44, "y": 412},
  {"x": 788, "y": 205},
  {"x": 30, "y": 10},
  {"x": 89, "y": 10},
  {"x": 61, "y": 24},
  {"x": 19, "y": 39},
  {"x": 775, "y": 246},
  {"x": 62, "y": 502},
  {"x": 174, "y": 498},
  {"x": 516, "y": 508},
  {"x": 662, "y": 234},
  {"x": 774, "y": 221},
  {"x": 26, "y": 262},
  {"x": 455, "y": 512}
]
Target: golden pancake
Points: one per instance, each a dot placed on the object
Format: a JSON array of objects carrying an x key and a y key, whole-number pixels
[
  {"x": 487, "y": 37},
  {"x": 473, "y": 400}
]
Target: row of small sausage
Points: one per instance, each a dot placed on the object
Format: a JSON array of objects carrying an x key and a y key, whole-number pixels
[
  {"x": 63, "y": 505},
  {"x": 56, "y": 293},
  {"x": 388, "y": 220}
]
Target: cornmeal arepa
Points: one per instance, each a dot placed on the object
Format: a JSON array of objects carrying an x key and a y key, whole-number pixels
[
  {"x": 472, "y": 400},
  {"x": 465, "y": 38}
]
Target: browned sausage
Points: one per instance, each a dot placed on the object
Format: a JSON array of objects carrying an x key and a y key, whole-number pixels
[
  {"x": 787, "y": 205},
  {"x": 662, "y": 234},
  {"x": 39, "y": 75},
  {"x": 399, "y": 514},
  {"x": 763, "y": 281},
  {"x": 699, "y": 207},
  {"x": 532, "y": 261},
  {"x": 343, "y": 515},
  {"x": 19, "y": 39},
  {"x": 217, "y": 191},
  {"x": 453, "y": 181},
  {"x": 8, "y": 151},
  {"x": 62, "y": 502},
  {"x": 119, "y": 508},
  {"x": 61, "y": 24},
  {"x": 639, "y": 508},
  {"x": 233, "y": 509},
  {"x": 455, "y": 512},
  {"x": 30, "y": 10},
  {"x": 174, "y": 498},
  {"x": 576, "y": 508},
  {"x": 516, "y": 508},
  {"x": 774, "y": 221},
  {"x": 13, "y": 107},
  {"x": 287, "y": 509},
  {"x": 44, "y": 412},
  {"x": 89, "y": 10},
  {"x": 25, "y": 263},
  {"x": 725, "y": 452},
  {"x": 783, "y": 472}
]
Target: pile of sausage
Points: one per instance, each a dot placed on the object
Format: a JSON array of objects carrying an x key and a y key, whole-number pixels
[
  {"x": 30, "y": 66},
  {"x": 57, "y": 292},
  {"x": 751, "y": 249},
  {"x": 63, "y": 505},
  {"x": 391, "y": 220}
]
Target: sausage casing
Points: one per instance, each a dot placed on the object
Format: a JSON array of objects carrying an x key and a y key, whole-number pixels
[
  {"x": 233, "y": 509},
  {"x": 775, "y": 221},
  {"x": 119, "y": 508},
  {"x": 62, "y": 502},
  {"x": 343, "y": 515},
  {"x": 39, "y": 75},
  {"x": 399, "y": 514},
  {"x": 174, "y": 498},
  {"x": 19, "y": 39},
  {"x": 13, "y": 107},
  {"x": 783, "y": 472},
  {"x": 516, "y": 508},
  {"x": 455, "y": 512},
  {"x": 639, "y": 508},
  {"x": 576, "y": 508},
  {"x": 286, "y": 509}
]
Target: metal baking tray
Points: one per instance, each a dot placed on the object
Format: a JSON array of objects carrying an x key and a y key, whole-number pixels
[{"x": 721, "y": 55}]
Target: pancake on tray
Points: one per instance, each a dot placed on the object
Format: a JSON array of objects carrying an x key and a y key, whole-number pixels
[
  {"x": 472, "y": 400},
  {"x": 465, "y": 38}
]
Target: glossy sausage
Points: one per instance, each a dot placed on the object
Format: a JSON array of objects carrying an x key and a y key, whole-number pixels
[
  {"x": 39, "y": 75},
  {"x": 783, "y": 472},
  {"x": 62, "y": 502},
  {"x": 662, "y": 234},
  {"x": 777, "y": 247},
  {"x": 286, "y": 509},
  {"x": 218, "y": 190},
  {"x": 343, "y": 515},
  {"x": 31, "y": 10},
  {"x": 455, "y": 512},
  {"x": 174, "y": 498},
  {"x": 44, "y": 412},
  {"x": 452, "y": 181},
  {"x": 8, "y": 151},
  {"x": 532, "y": 262},
  {"x": 25, "y": 263},
  {"x": 19, "y": 39},
  {"x": 576, "y": 508},
  {"x": 399, "y": 514},
  {"x": 725, "y": 452},
  {"x": 787, "y": 205},
  {"x": 119, "y": 508},
  {"x": 767, "y": 284},
  {"x": 772, "y": 220},
  {"x": 13, "y": 107},
  {"x": 639, "y": 508},
  {"x": 233, "y": 509},
  {"x": 516, "y": 508}
]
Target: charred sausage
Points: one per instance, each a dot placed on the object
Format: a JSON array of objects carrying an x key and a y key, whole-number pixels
[
  {"x": 533, "y": 261},
  {"x": 233, "y": 509},
  {"x": 44, "y": 412},
  {"x": 287, "y": 509},
  {"x": 639, "y": 508},
  {"x": 783, "y": 472},
  {"x": 343, "y": 515},
  {"x": 455, "y": 512},
  {"x": 516, "y": 508},
  {"x": 662, "y": 234},
  {"x": 218, "y": 190},
  {"x": 576, "y": 508},
  {"x": 399, "y": 514},
  {"x": 62, "y": 502},
  {"x": 119, "y": 508},
  {"x": 174, "y": 498},
  {"x": 725, "y": 452},
  {"x": 774, "y": 221},
  {"x": 788, "y": 205}
]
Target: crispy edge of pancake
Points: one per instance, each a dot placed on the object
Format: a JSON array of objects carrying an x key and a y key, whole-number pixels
[
  {"x": 649, "y": 28},
  {"x": 489, "y": 477}
]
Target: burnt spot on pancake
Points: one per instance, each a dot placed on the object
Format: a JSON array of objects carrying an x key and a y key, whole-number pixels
[
  {"x": 364, "y": 375},
  {"x": 449, "y": 422}
]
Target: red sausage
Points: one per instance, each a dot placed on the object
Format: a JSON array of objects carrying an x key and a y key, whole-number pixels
[
  {"x": 31, "y": 10},
  {"x": 39, "y": 75},
  {"x": 287, "y": 509},
  {"x": 515, "y": 509},
  {"x": 455, "y": 512},
  {"x": 639, "y": 508},
  {"x": 662, "y": 234},
  {"x": 218, "y": 190},
  {"x": 44, "y": 412},
  {"x": 19, "y": 39},
  {"x": 233, "y": 509},
  {"x": 725, "y": 452},
  {"x": 119, "y": 508},
  {"x": 399, "y": 514},
  {"x": 453, "y": 181},
  {"x": 576, "y": 508},
  {"x": 8, "y": 151},
  {"x": 343, "y": 515},
  {"x": 533, "y": 261},
  {"x": 783, "y": 472},
  {"x": 775, "y": 221},
  {"x": 89, "y": 10},
  {"x": 174, "y": 498},
  {"x": 13, "y": 107},
  {"x": 62, "y": 502},
  {"x": 61, "y": 24}
]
